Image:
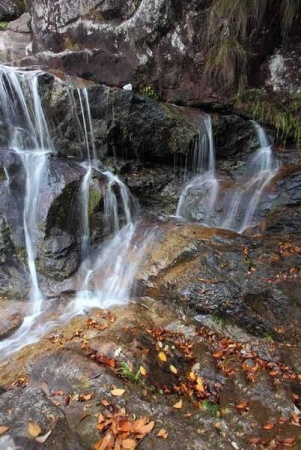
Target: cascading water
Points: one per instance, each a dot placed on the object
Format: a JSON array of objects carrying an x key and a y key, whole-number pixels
[
  {"x": 108, "y": 274},
  {"x": 241, "y": 205},
  {"x": 29, "y": 139},
  {"x": 238, "y": 204},
  {"x": 204, "y": 184}
]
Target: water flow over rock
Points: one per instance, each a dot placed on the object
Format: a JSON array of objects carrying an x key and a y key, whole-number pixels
[
  {"x": 204, "y": 184},
  {"x": 233, "y": 207},
  {"x": 108, "y": 273},
  {"x": 29, "y": 139}
]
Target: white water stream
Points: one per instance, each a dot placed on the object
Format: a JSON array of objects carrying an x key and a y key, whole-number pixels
[
  {"x": 236, "y": 208},
  {"x": 108, "y": 274}
]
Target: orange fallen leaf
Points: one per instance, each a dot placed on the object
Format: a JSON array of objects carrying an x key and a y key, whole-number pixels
[
  {"x": 200, "y": 384},
  {"x": 34, "y": 429},
  {"x": 103, "y": 443},
  {"x": 173, "y": 369},
  {"x": 178, "y": 405},
  {"x": 3, "y": 429},
  {"x": 162, "y": 433},
  {"x": 128, "y": 444},
  {"x": 295, "y": 417},
  {"x": 268, "y": 426},
  {"x": 162, "y": 356},
  {"x": 117, "y": 392},
  {"x": 105, "y": 403},
  {"x": 192, "y": 376},
  {"x": 242, "y": 405},
  {"x": 146, "y": 428},
  {"x": 125, "y": 425}
]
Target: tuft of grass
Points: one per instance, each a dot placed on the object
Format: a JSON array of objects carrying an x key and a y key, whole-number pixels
[
  {"x": 148, "y": 91},
  {"x": 213, "y": 408},
  {"x": 231, "y": 24},
  {"x": 226, "y": 61},
  {"x": 124, "y": 370},
  {"x": 283, "y": 116},
  {"x": 3, "y": 26}
]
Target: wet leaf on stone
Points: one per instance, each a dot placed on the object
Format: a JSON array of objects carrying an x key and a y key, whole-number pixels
[
  {"x": 128, "y": 444},
  {"x": 34, "y": 429},
  {"x": 117, "y": 392},
  {"x": 178, "y": 405},
  {"x": 162, "y": 433},
  {"x": 3, "y": 429}
]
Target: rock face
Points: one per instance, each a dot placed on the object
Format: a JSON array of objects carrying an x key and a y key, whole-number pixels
[{"x": 158, "y": 44}]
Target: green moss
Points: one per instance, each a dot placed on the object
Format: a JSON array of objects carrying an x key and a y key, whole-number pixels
[
  {"x": 94, "y": 199},
  {"x": 3, "y": 26}
]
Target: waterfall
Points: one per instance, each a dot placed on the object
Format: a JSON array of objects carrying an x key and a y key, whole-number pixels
[
  {"x": 204, "y": 184},
  {"x": 29, "y": 139},
  {"x": 241, "y": 205},
  {"x": 202, "y": 196},
  {"x": 107, "y": 272}
]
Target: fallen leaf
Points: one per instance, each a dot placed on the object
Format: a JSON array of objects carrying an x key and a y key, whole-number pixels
[
  {"x": 241, "y": 405},
  {"x": 117, "y": 392},
  {"x": 173, "y": 369},
  {"x": 3, "y": 429},
  {"x": 85, "y": 397},
  {"x": 103, "y": 443},
  {"x": 295, "y": 417},
  {"x": 200, "y": 384},
  {"x": 42, "y": 439},
  {"x": 192, "y": 376},
  {"x": 178, "y": 405},
  {"x": 146, "y": 428},
  {"x": 34, "y": 429},
  {"x": 125, "y": 425},
  {"x": 143, "y": 371},
  {"x": 128, "y": 444},
  {"x": 162, "y": 356},
  {"x": 105, "y": 403},
  {"x": 162, "y": 433},
  {"x": 268, "y": 426}
]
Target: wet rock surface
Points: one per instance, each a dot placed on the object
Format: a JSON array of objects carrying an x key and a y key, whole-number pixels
[{"x": 205, "y": 382}]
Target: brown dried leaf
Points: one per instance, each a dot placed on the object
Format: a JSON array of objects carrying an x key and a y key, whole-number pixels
[
  {"x": 295, "y": 417},
  {"x": 268, "y": 426},
  {"x": 178, "y": 405},
  {"x": 128, "y": 444},
  {"x": 162, "y": 433},
  {"x": 139, "y": 423},
  {"x": 103, "y": 443},
  {"x": 3, "y": 429},
  {"x": 117, "y": 392},
  {"x": 105, "y": 403},
  {"x": 146, "y": 428},
  {"x": 34, "y": 429}
]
